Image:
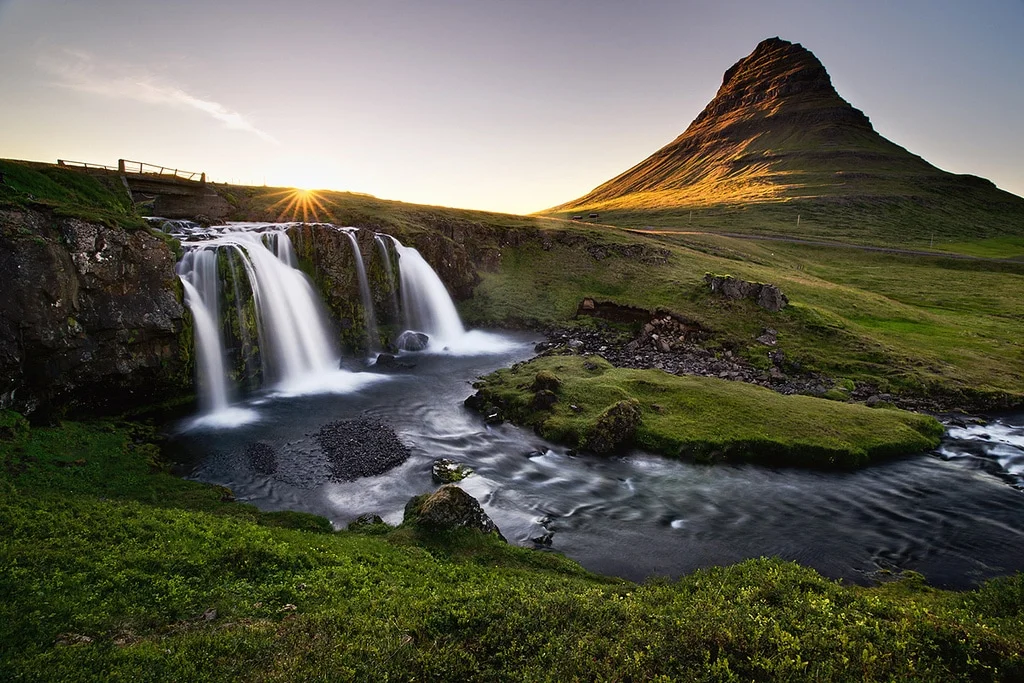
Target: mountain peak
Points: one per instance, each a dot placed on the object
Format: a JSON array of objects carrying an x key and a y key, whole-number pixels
[{"x": 776, "y": 74}]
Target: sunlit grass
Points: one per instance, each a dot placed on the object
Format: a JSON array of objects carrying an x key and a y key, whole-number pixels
[{"x": 299, "y": 205}]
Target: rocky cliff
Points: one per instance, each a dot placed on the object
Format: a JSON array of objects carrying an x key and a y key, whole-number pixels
[{"x": 90, "y": 319}]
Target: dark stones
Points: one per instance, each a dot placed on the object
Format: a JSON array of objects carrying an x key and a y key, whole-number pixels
[
  {"x": 615, "y": 427},
  {"x": 769, "y": 337},
  {"x": 445, "y": 471},
  {"x": 447, "y": 509},
  {"x": 412, "y": 341},
  {"x": 262, "y": 458},
  {"x": 879, "y": 401},
  {"x": 365, "y": 521},
  {"x": 389, "y": 361},
  {"x": 768, "y": 297},
  {"x": 360, "y": 448}
]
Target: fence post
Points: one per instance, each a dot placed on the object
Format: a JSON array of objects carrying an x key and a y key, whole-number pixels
[
  {"x": 202, "y": 178},
  {"x": 120, "y": 166}
]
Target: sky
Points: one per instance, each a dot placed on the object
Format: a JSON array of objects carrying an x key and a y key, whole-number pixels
[{"x": 503, "y": 105}]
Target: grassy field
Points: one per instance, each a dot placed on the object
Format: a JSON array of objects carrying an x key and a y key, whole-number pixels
[
  {"x": 702, "y": 418},
  {"x": 905, "y": 323},
  {"x": 114, "y": 570}
]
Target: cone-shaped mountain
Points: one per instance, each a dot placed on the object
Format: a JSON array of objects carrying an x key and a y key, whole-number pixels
[{"x": 778, "y": 134}]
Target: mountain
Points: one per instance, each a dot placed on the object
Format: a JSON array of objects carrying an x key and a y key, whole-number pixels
[{"x": 778, "y": 140}]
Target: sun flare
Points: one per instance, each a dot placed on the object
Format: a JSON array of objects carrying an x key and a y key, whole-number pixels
[{"x": 297, "y": 204}]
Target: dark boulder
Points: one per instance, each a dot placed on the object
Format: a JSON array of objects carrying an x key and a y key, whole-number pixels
[
  {"x": 447, "y": 509},
  {"x": 412, "y": 341}
]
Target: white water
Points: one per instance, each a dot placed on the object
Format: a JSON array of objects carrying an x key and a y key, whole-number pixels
[
  {"x": 365, "y": 297},
  {"x": 213, "y": 394},
  {"x": 297, "y": 349}
]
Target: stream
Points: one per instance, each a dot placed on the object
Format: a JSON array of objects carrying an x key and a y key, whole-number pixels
[{"x": 956, "y": 515}]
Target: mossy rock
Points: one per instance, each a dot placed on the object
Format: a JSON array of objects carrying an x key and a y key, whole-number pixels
[
  {"x": 615, "y": 428},
  {"x": 546, "y": 381}
]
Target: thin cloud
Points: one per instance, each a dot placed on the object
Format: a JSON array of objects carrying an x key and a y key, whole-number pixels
[{"x": 79, "y": 71}]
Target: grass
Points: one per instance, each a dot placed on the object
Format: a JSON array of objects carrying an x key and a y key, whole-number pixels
[
  {"x": 944, "y": 328},
  {"x": 114, "y": 570},
  {"x": 703, "y": 418},
  {"x": 67, "y": 192}
]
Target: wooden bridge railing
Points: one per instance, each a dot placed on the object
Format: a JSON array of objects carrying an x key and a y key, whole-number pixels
[{"x": 125, "y": 166}]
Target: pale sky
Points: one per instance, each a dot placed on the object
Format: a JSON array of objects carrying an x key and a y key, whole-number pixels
[{"x": 505, "y": 105}]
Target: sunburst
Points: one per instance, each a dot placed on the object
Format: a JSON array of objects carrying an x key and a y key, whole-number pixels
[{"x": 299, "y": 205}]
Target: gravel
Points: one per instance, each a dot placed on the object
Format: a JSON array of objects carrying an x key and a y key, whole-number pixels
[{"x": 360, "y": 448}]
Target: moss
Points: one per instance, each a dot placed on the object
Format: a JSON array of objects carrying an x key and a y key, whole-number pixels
[{"x": 605, "y": 408}]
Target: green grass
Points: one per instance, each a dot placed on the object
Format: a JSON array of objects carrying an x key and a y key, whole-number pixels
[
  {"x": 928, "y": 326},
  {"x": 114, "y": 570},
  {"x": 704, "y": 418},
  {"x": 67, "y": 192}
]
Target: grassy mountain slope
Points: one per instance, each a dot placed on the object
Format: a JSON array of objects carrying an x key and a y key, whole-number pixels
[{"x": 777, "y": 141}]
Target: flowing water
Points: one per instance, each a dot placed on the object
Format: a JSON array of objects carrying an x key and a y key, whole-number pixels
[{"x": 956, "y": 515}]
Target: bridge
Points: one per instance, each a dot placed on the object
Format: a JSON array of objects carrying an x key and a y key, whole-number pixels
[{"x": 166, "y": 191}]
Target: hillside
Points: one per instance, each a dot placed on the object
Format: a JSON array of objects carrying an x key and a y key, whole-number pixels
[{"x": 777, "y": 141}]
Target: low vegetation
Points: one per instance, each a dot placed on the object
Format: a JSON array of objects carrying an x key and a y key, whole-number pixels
[
  {"x": 585, "y": 402},
  {"x": 113, "y": 569},
  {"x": 67, "y": 192}
]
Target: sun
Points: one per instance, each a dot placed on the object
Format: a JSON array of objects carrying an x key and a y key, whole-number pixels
[{"x": 297, "y": 204}]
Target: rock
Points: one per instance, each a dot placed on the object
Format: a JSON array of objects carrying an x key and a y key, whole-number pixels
[
  {"x": 360, "y": 448},
  {"x": 412, "y": 341},
  {"x": 90, "y": 316},
  {"x": 769, "y": 337},
  {"x": 615, "y": 427},
  {"x": 389, "y": 361},
  {"x": 544, "y": 400},
  {"x": 878, "y": 400},
  {"x": 365, "y": 520},
  {"x": 210, "y": 614},
  {"x": 587, "y": 305},
  {"x": 546, "y": 381},
  {"x": 767, "y": 296},
  {"x": 447, "y": 509},
  {"x": 445, "y": 471},
  {"x": 575, "y": 344},
  {"x": 776, "y": 375}
]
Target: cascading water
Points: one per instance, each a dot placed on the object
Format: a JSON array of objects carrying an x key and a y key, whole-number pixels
[
  {"x": 426, "y": 305},
  {"x": 365, "y": 297},
  {"x": 295, "y": 345}
]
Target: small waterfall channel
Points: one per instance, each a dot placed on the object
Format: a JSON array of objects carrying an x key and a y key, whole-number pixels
[{"x": 260, "y": 323}]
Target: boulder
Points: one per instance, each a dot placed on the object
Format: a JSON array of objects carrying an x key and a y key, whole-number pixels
[
  {"x": 364, "y": 521},
  {"x": 546, "y": 381},
  {"x": 412, "y": 341},
  {"x": 767, "y": 296},
  {"x": 447, "y": 509},
  {"x": 615, "y": 427}
]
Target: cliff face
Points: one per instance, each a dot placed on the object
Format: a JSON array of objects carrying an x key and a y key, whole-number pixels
[{"x": 90, "y": 318}]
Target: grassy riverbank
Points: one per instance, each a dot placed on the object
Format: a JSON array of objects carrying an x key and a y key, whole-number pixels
[
  {"x": 115, "y": 570},
  {"x": 585, "y": 402}
]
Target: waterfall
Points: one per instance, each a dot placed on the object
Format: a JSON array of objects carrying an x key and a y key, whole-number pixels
[
  {"x": 213, "y": 386},
  {"x": 385, "y": 254},
  {"x": 365, "y": 297},
  {"x": 293, "y": 334},
  {"x": 426, "y": 305}
]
